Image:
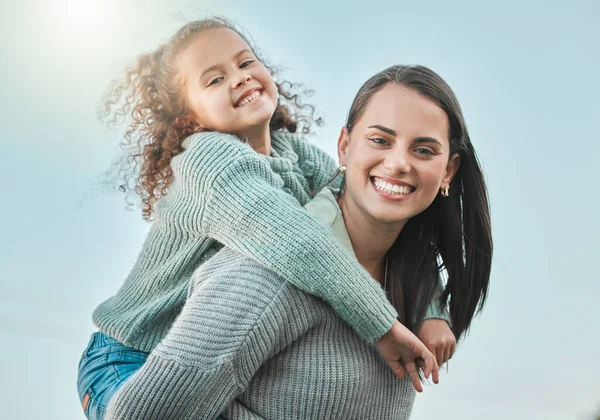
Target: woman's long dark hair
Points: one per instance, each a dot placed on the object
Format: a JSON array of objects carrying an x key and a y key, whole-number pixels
[{"x": 452, "y": 233}]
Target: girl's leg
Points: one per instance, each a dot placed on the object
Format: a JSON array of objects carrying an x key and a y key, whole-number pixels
[{"x": 105, "y": 365}]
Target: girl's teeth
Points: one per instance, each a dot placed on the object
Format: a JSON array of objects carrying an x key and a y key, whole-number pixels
[
  {"x": 249, "y": 99},
  {"x": 391, "y": 188}
]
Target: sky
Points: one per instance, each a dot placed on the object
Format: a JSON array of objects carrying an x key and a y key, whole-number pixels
[{"x": 526, "y": 75}]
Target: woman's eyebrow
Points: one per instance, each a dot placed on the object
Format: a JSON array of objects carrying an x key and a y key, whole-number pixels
[
  {"x": 392, "y": 132},
  {"x": 384, "y": 129},
  {"x": 427, "y": 140}
]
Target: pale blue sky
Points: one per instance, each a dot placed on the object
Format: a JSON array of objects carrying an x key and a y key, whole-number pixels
[{"x": 527, "y": 76}]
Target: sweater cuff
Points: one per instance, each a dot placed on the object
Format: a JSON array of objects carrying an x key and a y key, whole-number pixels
[
  {"x": 375, "y": 315},
  {"x": 152, "y": 393},
  {"x": 435, "y": 311}
]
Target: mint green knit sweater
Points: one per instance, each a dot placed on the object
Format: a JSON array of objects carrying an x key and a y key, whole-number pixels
[
  {"x": 225, "y": 193},
  {"x": 249, "y": 345}
]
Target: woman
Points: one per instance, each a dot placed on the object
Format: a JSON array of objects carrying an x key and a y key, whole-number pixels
[{"x": 249, "y": 345}]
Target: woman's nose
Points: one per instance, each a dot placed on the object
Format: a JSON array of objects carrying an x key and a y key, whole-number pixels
[{"x": 397, "y": 162}]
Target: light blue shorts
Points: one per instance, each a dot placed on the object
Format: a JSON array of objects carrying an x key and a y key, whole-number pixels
[{"x": 104, "y": 366}]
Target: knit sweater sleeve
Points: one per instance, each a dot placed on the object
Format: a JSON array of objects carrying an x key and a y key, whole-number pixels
[
  {"x": 234, "y": 197},
  {"x": 216, "y": 346},
  {"x": 318, "y": 166},
  {"x": 435, "y": 310}
]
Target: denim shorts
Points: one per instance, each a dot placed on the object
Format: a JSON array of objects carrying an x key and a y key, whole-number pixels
[{"x": 104, "y": 366}]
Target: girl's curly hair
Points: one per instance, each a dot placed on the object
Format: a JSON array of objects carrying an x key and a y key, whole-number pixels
[{"x": 148, "y": 97}]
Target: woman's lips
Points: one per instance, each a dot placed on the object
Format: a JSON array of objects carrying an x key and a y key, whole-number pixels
[{"x": 396, "y": 190}]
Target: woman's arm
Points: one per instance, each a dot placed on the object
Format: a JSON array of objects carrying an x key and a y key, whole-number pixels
[
  {"x": 234, "y": 197},
  {"x": 435, "y": 330},
  {"x": 435, "y": 310}
]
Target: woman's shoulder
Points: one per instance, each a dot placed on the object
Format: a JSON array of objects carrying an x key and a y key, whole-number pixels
[
  {"x": 323, "y": 207},
  {"x": 237, "y": 278}
]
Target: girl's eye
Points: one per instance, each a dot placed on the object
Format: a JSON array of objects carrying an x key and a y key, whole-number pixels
[
  {"x": 379, "y": 140},
  {"x": 215, "y": 81},
  {"x": 425, "y": 151},
  {"x": 246, "y": 64}
]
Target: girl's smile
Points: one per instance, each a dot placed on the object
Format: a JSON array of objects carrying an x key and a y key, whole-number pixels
[
  {"x": 250, "y": 96},
  {"x": 227, "y": 88}
]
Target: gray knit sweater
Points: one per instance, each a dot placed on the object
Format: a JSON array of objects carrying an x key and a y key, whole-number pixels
[
  {"x": 223, "y": 192},
  {"x": 250, "y": 345}
]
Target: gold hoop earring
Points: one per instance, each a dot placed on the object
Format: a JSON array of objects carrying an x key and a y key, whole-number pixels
[
  {"x": 343, "y": 169},
  {"x": 445, "y": 191}
]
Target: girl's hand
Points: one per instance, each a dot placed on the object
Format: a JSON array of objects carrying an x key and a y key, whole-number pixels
[
  {"x": 402, "y": 350},
  {"x": 439, "y": 339}
]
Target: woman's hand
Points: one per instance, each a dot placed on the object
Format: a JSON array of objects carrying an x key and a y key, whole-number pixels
[
  {"x": 439, "y": 339},
  {"x": 402, "y": 350}
]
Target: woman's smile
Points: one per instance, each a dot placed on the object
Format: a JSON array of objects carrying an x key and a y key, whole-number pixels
[
  {"x": 399, "y": 150},
  {"x": 391, "y": 189}
]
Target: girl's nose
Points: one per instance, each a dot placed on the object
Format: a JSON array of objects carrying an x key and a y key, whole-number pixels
[{"x": 244, "y": 79}]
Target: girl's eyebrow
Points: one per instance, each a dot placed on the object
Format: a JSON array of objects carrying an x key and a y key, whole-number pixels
[{"x": 216, "y": 66}]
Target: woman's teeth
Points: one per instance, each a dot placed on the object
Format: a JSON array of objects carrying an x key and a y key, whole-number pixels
[
  {"x": 392, "y": 188},
  {"x": 249, "y": 98}
]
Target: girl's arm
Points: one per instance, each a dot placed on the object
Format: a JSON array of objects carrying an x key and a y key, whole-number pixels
[{"x": 233, "y": 196}]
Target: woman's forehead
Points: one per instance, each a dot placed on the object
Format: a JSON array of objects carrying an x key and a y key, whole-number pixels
[{"x": 402, "y": 108}]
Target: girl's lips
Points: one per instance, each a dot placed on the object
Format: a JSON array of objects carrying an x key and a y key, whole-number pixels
[{"x": 247, "y": 94}]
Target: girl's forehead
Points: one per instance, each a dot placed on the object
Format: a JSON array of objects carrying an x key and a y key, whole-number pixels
[
  {"x": 210, "y": 48},
  {"x": 215, "y": 42}
]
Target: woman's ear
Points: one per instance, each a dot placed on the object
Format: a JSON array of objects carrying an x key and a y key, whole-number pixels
[
  {"x": 342, "y": 145},
  {"x": 451, "y": 168}
]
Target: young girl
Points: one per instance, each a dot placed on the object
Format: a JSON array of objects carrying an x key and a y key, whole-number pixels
[
  {"x": 219, "y": 166},
  {"x": 413, "y": 191}
]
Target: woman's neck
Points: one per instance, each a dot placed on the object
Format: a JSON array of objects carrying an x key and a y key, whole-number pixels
[{"x": 371, "y": 239}]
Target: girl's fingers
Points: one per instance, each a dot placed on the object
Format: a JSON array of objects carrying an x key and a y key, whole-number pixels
[
  {"x": 452, "y": 350},
  {"x": 411, "y": 368},
  {"x": 434, "y": 372},
  {"x": 429, "y": 365},
  {"x": 397, "y": 368}
]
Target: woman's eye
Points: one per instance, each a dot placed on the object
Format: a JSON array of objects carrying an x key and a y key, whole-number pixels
[
  {"x": 378, "y": 140},
  {"x": 425, "y": 151},
  {"x": 246, "y": 63},
  {"x": 215, "y": 81}
]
